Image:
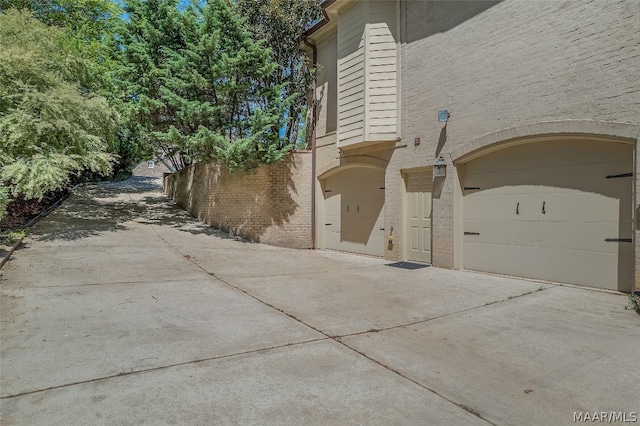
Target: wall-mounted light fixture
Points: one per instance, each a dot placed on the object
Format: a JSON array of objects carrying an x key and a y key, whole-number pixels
[
  {"x": 440, "y": 168},
  {"x": 443, "y": 116}
]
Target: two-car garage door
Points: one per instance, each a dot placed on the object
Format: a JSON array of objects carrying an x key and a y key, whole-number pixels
[{"x": 556, "y": 210}]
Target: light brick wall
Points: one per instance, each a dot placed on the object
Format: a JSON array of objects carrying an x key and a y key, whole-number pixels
[
  {"x": 498, "y": 65},
  {"x": 271, "y": 205},
  {"x": 540, "y": 65}
]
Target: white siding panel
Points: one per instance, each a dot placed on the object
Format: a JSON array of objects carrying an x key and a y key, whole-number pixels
[
  {"x": 351, "y": 73},
  {"x": 356, "y": 90},
  {"x": 353, "y": 125},
  {"x": 351, "y": 80},
  {"x": 383, "y": 99},
  {"x": 353, "y": 135},
  {"x": 382, "y": 82},
  {"x": 351, "y": 101},
  {"x": 367, "y": 72},
  {"x": 377, "y": 107},
  {"x": 350, "y": 59},
  {"x": 387, "y": 71},
  {"x": 382, "y": 60},
  {"x": 375, "y": 91},
  {"x": 382, "y": 71},
  {"x": 353, "y": 112},
  {"x": 374, "y": 122}
]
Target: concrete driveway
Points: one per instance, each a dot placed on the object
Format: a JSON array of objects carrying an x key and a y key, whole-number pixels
[{"x": 121, "y": 309}]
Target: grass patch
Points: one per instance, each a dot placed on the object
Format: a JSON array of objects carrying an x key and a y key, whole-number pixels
[
  {"x": 634, "y": 303},
  {"x": 10, "y": 236}
]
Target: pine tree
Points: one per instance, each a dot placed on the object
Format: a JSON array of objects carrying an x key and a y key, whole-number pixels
[
  {"x": 145, "y": 39},
  {"x": 200, "y": 84}
]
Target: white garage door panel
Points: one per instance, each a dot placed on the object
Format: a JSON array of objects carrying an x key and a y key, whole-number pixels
[
  {"x": 557, "y": 235},
  {"x": 585, "y": 178},
  {"x": 544, "y": 210},
  {"x": 582, "y": 236},
  {"x": 354, "y": 211},
  {"x": 496, "y": 232},
  {"x": 558, "y": 206},
  {"x": 552, "y": 154},
  {"x": 595, "y": 269}
]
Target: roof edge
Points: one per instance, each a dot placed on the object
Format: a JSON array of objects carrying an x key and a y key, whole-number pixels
[{"x": 325, "y": 20}]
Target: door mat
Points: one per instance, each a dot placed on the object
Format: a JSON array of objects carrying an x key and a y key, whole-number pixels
[{"x": 408, "y": 265}]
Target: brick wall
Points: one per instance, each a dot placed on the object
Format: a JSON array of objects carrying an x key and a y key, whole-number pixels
[
  {"x": 271, "y": 205},
  {"x": 498, "y": 65},
  {"x": 500, "y": 68}
]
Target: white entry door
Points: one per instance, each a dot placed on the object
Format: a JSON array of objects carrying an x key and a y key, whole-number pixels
[{"x": 417, "y": 217}]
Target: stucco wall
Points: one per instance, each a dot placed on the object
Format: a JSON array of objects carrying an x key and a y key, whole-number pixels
[
  {"x": 271, "y": 205},
  {"x": 502, "y": 65}
]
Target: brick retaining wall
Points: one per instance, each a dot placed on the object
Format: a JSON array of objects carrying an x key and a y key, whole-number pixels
[{"x": 271, "y": 205}]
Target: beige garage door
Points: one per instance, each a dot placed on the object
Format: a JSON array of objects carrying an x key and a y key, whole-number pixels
[
  {"x": 557, "y": 211},
  {"x": 417, "y": 215},
  {"x": 354, "y": 211}
]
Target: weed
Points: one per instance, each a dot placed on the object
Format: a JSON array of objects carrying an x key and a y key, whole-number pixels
[
  {"x": 634, "y": 303},
  {"x": 470, "y": 410},
  {"x": 10, "y": 236}
]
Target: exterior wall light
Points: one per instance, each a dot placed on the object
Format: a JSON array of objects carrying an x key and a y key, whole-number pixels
[
  {"x": 443, "y": 116},
  {"x": 440, "y": 168}
]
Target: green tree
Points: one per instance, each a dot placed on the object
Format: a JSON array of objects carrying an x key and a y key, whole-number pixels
[
  {"x": 90, "y": 28},
  {"x": 152, "y": 29},
  {"x": 88, "y": 25},
  {"x": 88, "y": 19},
  {"x": 199, "y": 85},
  {"x": 51, "y": 126},
  {"x": 281, "y": 23}
]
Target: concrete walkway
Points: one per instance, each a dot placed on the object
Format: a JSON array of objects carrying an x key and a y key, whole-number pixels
[{"x": 122, "y": 309}]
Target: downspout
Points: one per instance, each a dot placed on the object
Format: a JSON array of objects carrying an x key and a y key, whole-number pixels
[{"x": 313, "y": 144}]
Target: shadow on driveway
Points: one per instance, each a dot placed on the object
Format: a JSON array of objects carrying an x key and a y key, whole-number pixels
[{"x": 98, "y": 208}]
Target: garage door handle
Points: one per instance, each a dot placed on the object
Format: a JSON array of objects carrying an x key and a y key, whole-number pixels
[
  {"x": 382, "y": 229},
  {"x": 471, "y": 233},
  {"x": 621, "y": 175},
  {"x": 327, "y": 224},
  {"x": 347, "y": 208},
  {"x": 518, "y": 208},
  {"x": 544, "y": 204},
  {"x": 618, "y": 240}
]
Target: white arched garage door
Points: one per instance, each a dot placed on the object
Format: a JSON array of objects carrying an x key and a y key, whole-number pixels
[
  {"x": 556, "y": 210},
  {"x": 354, "y": 211}
]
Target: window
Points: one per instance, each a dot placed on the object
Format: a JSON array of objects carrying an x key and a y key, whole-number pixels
[{"x": 150, "y": 164}]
